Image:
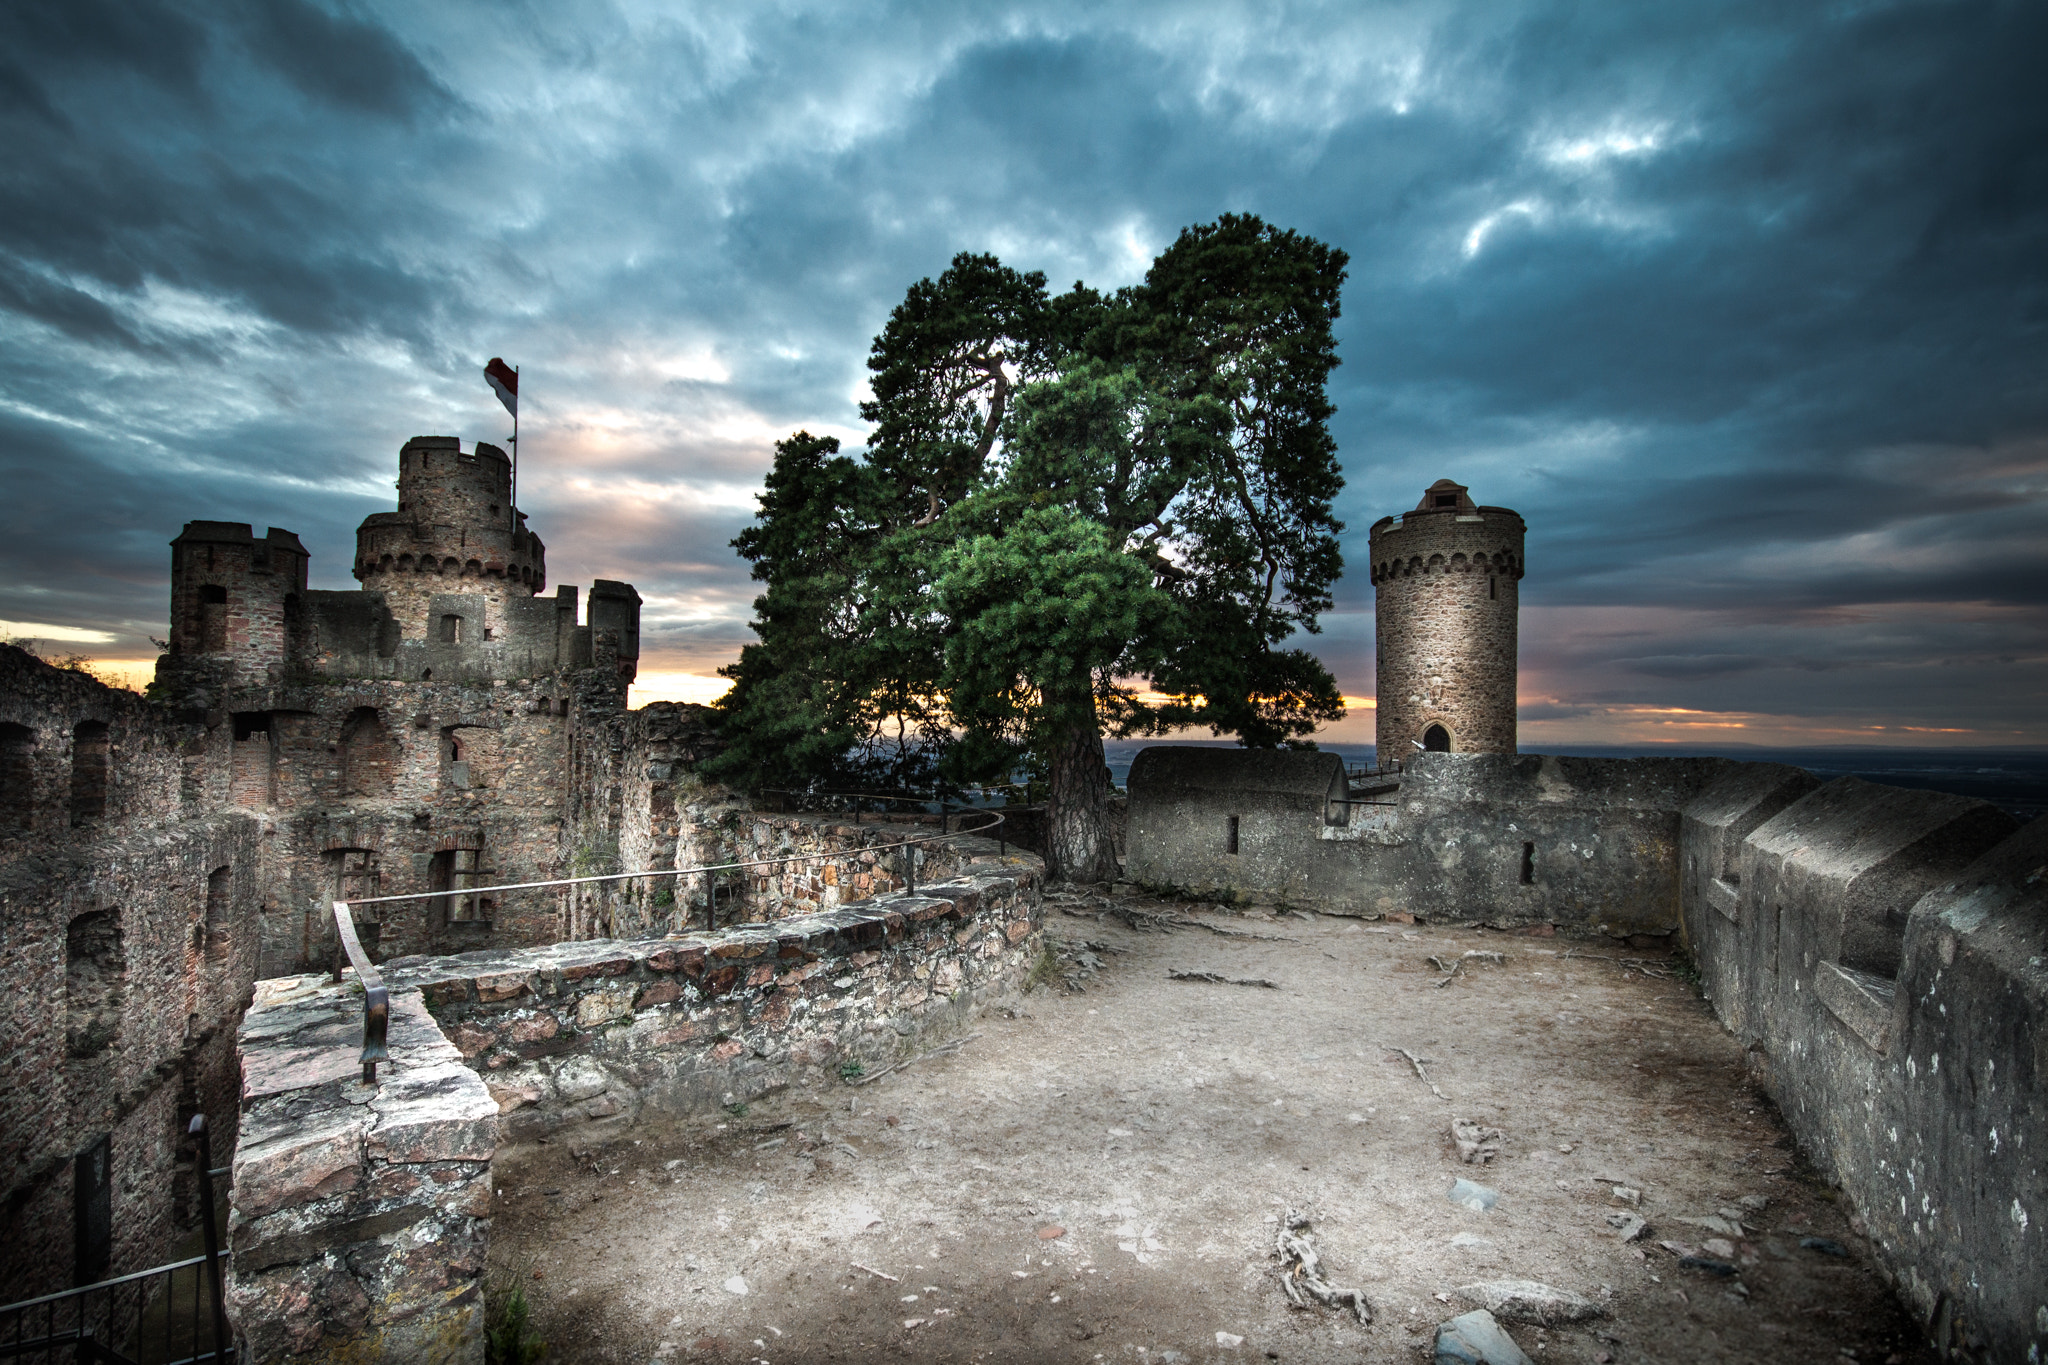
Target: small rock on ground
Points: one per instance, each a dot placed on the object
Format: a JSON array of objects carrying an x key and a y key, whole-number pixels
[
  {"x": 1474, "y": 1338},
  {"x": 1476, "y": 1197},
  {"x": 1530, "y": 1301}
]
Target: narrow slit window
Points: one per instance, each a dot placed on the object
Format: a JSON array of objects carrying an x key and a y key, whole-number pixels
[
  {"x": 1528, "y": 864},
  {"x": 1230, "y": 835},
  {"x": 1492, "y": 587},
  {"x": 220, "y": 892},
  {"x": 451, "y": 630},
  {"x": 89, "y": 745},
  {"x": 17, "y": 776}
]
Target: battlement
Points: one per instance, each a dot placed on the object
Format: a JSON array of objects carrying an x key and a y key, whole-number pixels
[
  {"x": 452, "y": 582},
  {"x": 455, "y": 531}
]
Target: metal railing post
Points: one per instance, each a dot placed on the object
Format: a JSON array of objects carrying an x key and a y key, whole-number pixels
[
  {"x": 376, "y": 997},
  {"x": 220, "y": 1312}
]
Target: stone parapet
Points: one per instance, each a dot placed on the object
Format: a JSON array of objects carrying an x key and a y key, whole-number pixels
[
  {"x": 1880, "y": 954},
  {"x": 603, "y": 1030},
  {"x": 360, "y": 1213}
]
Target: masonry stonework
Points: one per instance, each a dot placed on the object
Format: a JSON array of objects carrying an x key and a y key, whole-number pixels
[
  {"x": 444, "y": 728},
  {"x": 1447, "y": 576}
]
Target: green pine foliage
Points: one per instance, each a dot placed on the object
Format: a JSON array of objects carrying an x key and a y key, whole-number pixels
[{"x": 1067, "y": 508}]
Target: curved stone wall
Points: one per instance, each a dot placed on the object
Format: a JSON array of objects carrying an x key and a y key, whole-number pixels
[{"x": 1447, "y": 576}]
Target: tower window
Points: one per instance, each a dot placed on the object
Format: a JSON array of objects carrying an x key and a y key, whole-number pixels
[
  {"x": 451, "y": 630},
  {"x": 1528, "y": 864},
  {"x": 1492, "y": 586},
  {"x": 1230, "y": 836},
  {"x": 95, "y": 982},
  {"x": 88, "y": 772},
  {"x": 1447, "y": 500},
  {"x": 17, "y": 776},
  {"x": 213, "y": 619},
  {"x": 1436, "y": 740}
]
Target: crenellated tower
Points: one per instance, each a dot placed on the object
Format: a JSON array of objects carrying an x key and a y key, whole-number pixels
[
  {"x": 231, "y": 594},
  {"x": 1447, "y": 576},
  {"x": 455, "y": 531}
]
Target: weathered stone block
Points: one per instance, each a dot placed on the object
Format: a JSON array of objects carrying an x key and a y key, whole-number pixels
[
  {"x": 601, "y": 1007},
  {"x": 660, "y": 993},
  {"x": 311, "y": 1158},
  {"x": 498, "y": 986}
]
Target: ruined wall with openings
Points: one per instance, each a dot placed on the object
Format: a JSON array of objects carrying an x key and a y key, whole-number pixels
[
  {"x": 444, "y": 729},
  {"x": 128, "y": 943}
]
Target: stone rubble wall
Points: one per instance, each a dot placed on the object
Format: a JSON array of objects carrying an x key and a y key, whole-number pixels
[
  {"x": 1532, "y": 842},
  {"x": 1883, "y": 955},
  {"x": 581, "y": 1032},
  {"x": 129, "y": 1043},
  {"x": 360, "y": 1214}
]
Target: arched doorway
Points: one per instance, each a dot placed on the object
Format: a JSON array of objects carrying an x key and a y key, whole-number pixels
[{"x": 1436, "y": 740}]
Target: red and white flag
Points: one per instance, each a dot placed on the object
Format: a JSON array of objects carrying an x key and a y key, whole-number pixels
[{"x": 504, "y": 381}]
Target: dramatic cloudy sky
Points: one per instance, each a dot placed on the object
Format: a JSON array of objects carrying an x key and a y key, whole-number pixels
[{"x": 1744, "y": 307}]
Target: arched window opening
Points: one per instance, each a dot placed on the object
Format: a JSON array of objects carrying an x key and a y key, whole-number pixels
[
  {"x": 252, "y": 765},
  {"x": 17, "y": 777},
  {"x": 1436, "y": 740},
  {"x": 369, "y": 755},
  {"x": 213, "y": 619},
  {"x": 95, "y": 983},
  {"x": 472, "y": 756},
  {"x": 89, "y": 750}
]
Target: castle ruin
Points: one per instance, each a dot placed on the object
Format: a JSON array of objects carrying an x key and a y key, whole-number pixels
[{"x": 168, "y": 867}]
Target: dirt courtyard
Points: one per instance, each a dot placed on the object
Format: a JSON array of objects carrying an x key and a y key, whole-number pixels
[{"x": 1098, "y": 1174}]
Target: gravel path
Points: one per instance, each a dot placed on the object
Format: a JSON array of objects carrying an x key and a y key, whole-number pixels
[{"x": 1099, "y": 1173}]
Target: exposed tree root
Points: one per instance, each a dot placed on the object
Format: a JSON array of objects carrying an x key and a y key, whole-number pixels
[
  {"x": 1301, "y": 1270},
  {"x": 869, "y": 1077},
  {"x": 1416, "y": 1062},
  {"x": 1175, "y": 974}
]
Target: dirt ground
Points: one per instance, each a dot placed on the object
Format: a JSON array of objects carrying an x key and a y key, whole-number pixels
[{"x": 1097, "y": 1175}]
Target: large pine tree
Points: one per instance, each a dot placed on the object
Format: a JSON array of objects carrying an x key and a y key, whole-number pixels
[{"x": 1075, "y": 515}]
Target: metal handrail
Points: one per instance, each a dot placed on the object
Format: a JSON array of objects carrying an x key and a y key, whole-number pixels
[
  {"x": 377, "y": 998},
  {"x": 668, "y": 871},
  {"x": 89, "y": 1323}
]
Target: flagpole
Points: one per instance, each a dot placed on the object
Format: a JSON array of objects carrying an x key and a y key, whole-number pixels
[{"x": 514, "y": 509}]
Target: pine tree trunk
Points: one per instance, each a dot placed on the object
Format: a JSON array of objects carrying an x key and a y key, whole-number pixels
[{"x": 1078, "y": 844}]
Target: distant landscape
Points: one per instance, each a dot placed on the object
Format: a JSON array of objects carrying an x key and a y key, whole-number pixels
[{"x": 2014, "y": 779}]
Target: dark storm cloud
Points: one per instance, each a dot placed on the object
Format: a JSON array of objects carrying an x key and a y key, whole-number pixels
[{"x": 1744, "y": 307}]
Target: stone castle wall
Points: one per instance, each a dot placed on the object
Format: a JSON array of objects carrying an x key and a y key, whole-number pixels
[
  {"x": 361, "y": 1214},
  {"x": 130, "y": 939},
  {"x": 159, "y": 855},
  {"x": 1881, "y": 952}
]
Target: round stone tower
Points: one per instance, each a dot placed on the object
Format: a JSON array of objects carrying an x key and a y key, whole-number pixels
[
  {"x": 455, "y": 531},
  {"x": 1447, "y": 576}
]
